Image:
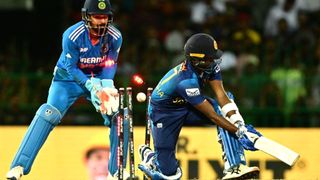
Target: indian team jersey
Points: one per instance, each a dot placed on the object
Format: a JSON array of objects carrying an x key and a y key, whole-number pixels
[
  {"x": 80, "y": 59},
  {"x": 181, "y": 85}
]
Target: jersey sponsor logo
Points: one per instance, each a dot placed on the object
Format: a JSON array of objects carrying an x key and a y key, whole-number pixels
[
  {"x": 178, "y": 101},
  {"x": 91, "y": 60},
  {"x": 159, "y": 125},
  {"x": 94, "y": 62},
  {"x": 193, "y": 92},
  {"x": 216, "y": 68},
  {"x": 85, "y": 49}
]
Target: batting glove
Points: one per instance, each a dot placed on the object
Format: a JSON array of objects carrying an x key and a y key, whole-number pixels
[{"x": 247, "y": 136}]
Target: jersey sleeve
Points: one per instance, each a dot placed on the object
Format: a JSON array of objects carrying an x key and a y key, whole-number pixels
[
  {"x": 72, "y": 53},
  {"x": 189, "y": 89},
  {"x": 216, "y": 73},
  {"x": 110, "y": 69}
]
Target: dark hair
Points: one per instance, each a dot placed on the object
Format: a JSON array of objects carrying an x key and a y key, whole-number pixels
[{"x": 94, "y": 149}]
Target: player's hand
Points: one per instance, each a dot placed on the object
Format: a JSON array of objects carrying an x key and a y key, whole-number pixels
[
  {"x": 109, "y": 100},
  {"x": 104, "y": 96},
  {"x": 248, "y": 136}
]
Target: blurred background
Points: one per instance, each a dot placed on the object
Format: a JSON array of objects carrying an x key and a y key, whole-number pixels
[
  {"x": 271, "y": 58},
  {"x": 271, "y": 63}
]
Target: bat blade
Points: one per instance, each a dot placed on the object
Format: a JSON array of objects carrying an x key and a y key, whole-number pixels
[{"x": 277, "y": 150}]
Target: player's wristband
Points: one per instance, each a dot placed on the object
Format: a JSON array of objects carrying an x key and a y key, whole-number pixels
[
  {"x": 228, "y": 107},
  {"x": 236, "y": 118},
  {"x": 88, "y": 85},
  {"x": 107, "y": 83}
]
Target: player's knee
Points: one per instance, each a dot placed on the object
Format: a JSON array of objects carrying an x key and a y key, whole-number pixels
[{"x": 49, "y": 113}]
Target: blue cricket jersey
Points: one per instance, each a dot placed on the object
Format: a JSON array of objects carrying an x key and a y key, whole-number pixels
[
  {"x": 180, "y": 86},
  {"x": 80, "y": 60}
]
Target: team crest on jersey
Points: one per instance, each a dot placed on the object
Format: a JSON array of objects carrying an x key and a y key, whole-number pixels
[
  {"x": 105, "y": 48},
  {"x": 193, "y": 92}
]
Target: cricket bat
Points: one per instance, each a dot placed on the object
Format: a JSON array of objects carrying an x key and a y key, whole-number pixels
[{"x": 276, "y": 150}]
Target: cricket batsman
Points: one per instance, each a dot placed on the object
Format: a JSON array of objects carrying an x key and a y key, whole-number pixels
[
  {"x": 86, "y": 67},
  {"x": 178, "y": 99}
]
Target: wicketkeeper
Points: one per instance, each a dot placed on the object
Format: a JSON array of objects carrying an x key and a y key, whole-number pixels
[{"x": 86, "y": 67}]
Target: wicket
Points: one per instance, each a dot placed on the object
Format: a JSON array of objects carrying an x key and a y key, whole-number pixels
[
  {"x": 131, "y": 138},
  {"x": 148, "y": 122},
  {"x": 120, "y": 120},
  {"x": 127, "y": 94}
]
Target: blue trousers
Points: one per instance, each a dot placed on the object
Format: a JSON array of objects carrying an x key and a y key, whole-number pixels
[
  {"x": 166, "y": 127},
  {"x": 62, "y": 94}
]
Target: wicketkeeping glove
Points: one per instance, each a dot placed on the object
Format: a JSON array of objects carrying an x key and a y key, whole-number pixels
[
  {"x": 109, "y": 99},
  {"x": 247, "y": 136},
  {"x": 104, "y": 96},
  {"x": 94, "y": 85}
]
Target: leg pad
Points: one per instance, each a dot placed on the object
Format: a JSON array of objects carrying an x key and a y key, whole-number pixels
[{"x": 46, "y": 118}]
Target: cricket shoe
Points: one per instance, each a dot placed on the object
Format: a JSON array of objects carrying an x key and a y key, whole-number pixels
[
  {"x": 126, "y": 175},
  {"x": 15, "y": 173},
  {"x": 240, "y": 172},
  {"x": 147, "y": 156}
]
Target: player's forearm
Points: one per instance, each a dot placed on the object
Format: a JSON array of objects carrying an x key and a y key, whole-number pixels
[
  {"x": 221, "y": 95},
  {"x": 78, "y": 75},
  {"x": 206, "y": 108},
  {"x": 109, "y": 72},
  {"x": 222, "y": 101},
  {"x": 225, "y": 124}
]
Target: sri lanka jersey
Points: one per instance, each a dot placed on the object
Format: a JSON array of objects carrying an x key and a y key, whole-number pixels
[{"x": 182, "y": 85}]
